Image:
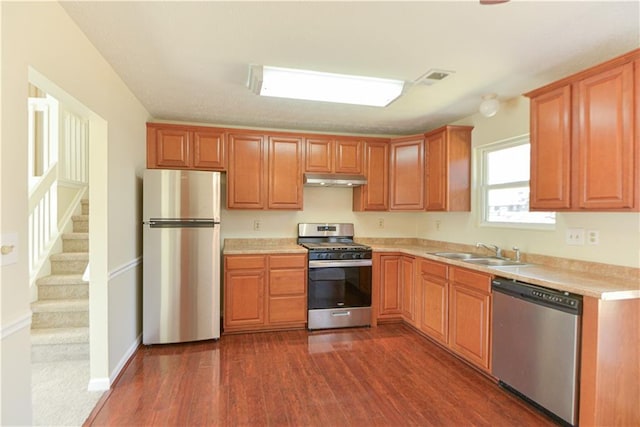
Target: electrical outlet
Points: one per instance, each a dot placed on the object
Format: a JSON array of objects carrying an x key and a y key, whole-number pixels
[
  {"x": 257, "y": 226},
  {"x": 593, "y": 237},
  {"x": 437, "y": 225},
  {"x": 575, "y": 236},
  {"x": 380, "y": 222}
]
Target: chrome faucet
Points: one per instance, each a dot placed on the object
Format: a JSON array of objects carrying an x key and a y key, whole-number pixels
[{"x": 494, "y": 248}]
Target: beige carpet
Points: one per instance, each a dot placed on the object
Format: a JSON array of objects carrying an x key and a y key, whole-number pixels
[{"x": 59, "y": 391}]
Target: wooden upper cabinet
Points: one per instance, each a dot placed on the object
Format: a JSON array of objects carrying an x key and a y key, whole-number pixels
[
  {"x": 285, "y": 172},
  {"x": 334, "y": 155},
  {"x": 604, "y": 140},
  {"x": 185, "y": 147},
  {"x": 406, "y": 173},
  {"x": 584, "y": 144},
  {"x": 246, "y": 179},
  {"x": 348, "y": 156},
  {"x": 208, "y": 149},
  {"x": 448, "y": 169},
  {"x": 374, "y": 196},
  {"x": 319, "y": 155},
  {"x": 550, "y": 137}
]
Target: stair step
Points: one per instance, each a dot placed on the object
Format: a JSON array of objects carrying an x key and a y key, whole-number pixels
[
  {"x": 69, "y": 262},
  {"x": 60, "y": 336},
  {"x": 85, "y": 206},
  {"x": 62, "y": 305},
  {"x": 58, "y": 352},
  {"x": 62, "y": 286},
  {"x": 60, "y": 313},
  {"x": 80, "y": 223},
  {"x": 75, "y": 242}
]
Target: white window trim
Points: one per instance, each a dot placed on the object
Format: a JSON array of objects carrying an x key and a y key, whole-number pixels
[{"x": 481, "y": 153}]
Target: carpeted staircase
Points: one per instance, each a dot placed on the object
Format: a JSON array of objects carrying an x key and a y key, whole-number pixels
[{"x": 60, "y": 322}]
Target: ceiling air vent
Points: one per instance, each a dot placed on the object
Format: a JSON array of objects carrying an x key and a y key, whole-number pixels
[{"x": 432, "y": 76}]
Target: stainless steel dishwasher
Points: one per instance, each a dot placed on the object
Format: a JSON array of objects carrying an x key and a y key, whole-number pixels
[{"x": 536, "y": 345}]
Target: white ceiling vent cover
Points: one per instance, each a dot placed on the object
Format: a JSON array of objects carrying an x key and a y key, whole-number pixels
[{"x": 432, "y": 76}]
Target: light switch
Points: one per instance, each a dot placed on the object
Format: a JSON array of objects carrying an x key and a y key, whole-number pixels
[{"x": 9, "y": 248}]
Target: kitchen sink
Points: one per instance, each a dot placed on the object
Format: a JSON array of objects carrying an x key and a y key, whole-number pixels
[
  {"x": 472, "y": 258},
  {"x": 456, "y": 255},
  {"x": 494, "y": 262}
]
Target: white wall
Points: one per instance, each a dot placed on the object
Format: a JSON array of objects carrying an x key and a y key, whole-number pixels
[
  {"x": 41, "y": 35},
  {"x": 320, "y": 205}
]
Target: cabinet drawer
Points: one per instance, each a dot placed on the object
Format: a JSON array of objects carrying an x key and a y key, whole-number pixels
[
  {"x": 434, "y": 268},
  {"x": 241, "y": 262},
  {"x": 288, "y": 309},
  {"x": 287, "y": 261},
  {"x": 287, "y": 282},
  {"x": 479, "y": 281}
]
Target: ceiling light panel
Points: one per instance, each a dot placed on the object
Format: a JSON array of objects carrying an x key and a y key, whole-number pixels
[{"x": 327, "y": 87}]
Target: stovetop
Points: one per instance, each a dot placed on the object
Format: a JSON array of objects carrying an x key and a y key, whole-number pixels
[{"x": 334, "y": 246}]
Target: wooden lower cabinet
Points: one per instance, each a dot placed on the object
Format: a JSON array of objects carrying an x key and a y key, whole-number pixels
[
  {"x": 388, "y": 286},
  {"x": 244, "y": 287},
  {"x": 264, "y": 292},
  {"x": 287, "y": 289},
  {"x": 470, "y": 315},
  {"x": 434, "y": 300},
  {"x": 408, "y": 290},
  {"x": 450, "y": 304}
]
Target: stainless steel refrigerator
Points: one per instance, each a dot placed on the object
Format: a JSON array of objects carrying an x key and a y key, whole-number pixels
[{"x": 181, "y": 256}]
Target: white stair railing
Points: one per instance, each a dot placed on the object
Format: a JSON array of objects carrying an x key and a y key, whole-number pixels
[
  {"x": 52, "y": 129},
  {"x": 74, "y": 160}
]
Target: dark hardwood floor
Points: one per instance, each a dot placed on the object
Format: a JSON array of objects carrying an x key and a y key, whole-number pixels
[{"x": 384, "y": 376}]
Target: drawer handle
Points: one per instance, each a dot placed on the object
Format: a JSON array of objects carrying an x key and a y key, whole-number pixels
[{"x": 341, "y": 313}]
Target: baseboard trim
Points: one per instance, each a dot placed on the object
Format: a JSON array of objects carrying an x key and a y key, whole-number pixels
[
  {"x": 98, "y": 384},
  {"x": 124, "y": 268},
  {"x": 125, "y": 359},
  {"x": 17, "y": 325}
]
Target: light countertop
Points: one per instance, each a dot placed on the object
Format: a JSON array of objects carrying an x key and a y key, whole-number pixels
[{"x": 603, "y": 281}]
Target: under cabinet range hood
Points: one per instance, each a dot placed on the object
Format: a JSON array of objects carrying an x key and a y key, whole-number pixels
[{"x": 332, "y": 180}]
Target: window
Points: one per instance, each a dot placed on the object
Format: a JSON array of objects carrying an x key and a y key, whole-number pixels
[{"x": 504, "y": 182}]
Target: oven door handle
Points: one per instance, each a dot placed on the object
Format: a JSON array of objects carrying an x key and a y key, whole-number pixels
[{"x": 340, "y": 263}]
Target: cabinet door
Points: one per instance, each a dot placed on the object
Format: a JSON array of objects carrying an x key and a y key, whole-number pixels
[
  {"x": 246, "y": 177},
  {"x": 436, "y": 172},
  {"x": 406, "y": 174},
  {"x": 172, "y": 148},
  {"x": 389, "y": 285},
  {"x": 469, "y": 322},
  {"x": 435, "y": 304},
  {"x": 434, "y": 299},
  {"x": 550, "y": 122},
  {"x": 374, "y": 196},
  {"x": 604, "y": 141},
  {"x": 285, "y": 173},
  {"x": 448, "y": 169},
  {"x": 348, "y": 156},
  {"x": 208, "y": 149},
  {"x": 244, "y": 298},
  {"x": 319, "y": 155},
  {"x": 408, "y": 289}
]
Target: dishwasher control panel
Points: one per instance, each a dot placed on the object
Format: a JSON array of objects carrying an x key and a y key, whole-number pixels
[{"x": 562, "y": 300}]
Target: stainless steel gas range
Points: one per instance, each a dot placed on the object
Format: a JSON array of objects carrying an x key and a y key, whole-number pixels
[{"x": 339, "y": 279}]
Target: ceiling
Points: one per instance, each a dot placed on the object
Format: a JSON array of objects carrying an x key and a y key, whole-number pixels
[{"x": 189, "y": 61}]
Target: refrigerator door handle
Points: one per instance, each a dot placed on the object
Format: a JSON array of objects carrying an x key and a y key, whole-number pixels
[{"x": 181, "y": 223}]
